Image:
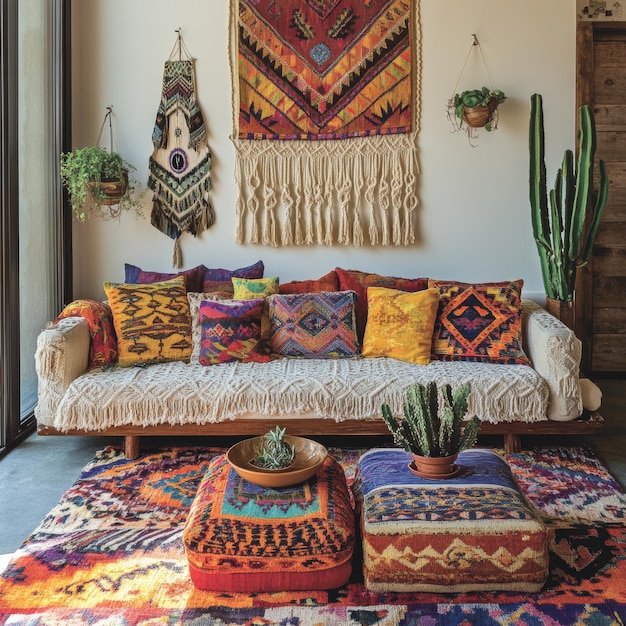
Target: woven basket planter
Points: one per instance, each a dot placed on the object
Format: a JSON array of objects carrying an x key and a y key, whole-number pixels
[{"x": 479, "y": 116}]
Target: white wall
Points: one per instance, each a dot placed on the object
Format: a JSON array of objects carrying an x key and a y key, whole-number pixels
[{"x": 474, "y": 215}]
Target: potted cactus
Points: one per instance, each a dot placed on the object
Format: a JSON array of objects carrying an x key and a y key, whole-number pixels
[
  {"x": 434, "y": 434},
  {"x": 565, "y": 221},
  {"x": 275, "y": 453}
]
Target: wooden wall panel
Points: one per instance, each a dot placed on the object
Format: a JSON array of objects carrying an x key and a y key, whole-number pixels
[
  {"x": 609, "y": 353},
  {"x": 609, "y": 262}
]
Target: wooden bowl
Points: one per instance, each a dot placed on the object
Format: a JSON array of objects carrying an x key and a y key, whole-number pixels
[{"x": 310, "y": 456}]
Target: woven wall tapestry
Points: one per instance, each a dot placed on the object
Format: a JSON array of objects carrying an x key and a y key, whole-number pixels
[
  {"x": 325, "y": 120},
  {"x": 180, "y": 165}
]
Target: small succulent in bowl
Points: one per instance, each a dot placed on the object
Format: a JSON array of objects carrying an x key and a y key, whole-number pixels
[{"x": 275, "y": 453}]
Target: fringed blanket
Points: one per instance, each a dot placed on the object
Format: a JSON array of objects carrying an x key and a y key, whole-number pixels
[
  {"x": 180, "y": 166},
  {"x": 325, "y": 110}
]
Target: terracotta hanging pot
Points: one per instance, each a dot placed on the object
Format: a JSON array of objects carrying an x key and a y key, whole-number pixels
[{"x": 109, "y": 192}]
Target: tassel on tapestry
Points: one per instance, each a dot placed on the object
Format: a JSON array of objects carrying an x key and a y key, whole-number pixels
[
  {"x": 325, "y": 121},
  {"x": 180, "y": 165}
]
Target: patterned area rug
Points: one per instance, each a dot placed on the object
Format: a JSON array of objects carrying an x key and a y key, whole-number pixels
[{"x": 111, "y": 553}]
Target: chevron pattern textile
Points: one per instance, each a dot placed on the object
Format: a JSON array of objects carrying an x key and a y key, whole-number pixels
[
  {"x": 112, "y": 552},
  {"x": 313, "y": 325},
  {"x": 325, "y": 110},
  {"x": 180, "y": 165},
  {"x": 479, "y": 322}
]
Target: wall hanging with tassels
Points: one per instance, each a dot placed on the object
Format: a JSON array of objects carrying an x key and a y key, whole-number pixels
[
  {"x": 325, "y": 121},
  {"x": 180, "y": 165}
]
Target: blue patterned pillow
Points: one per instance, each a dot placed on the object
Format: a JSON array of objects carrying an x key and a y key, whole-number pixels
[{"x": 313, "y": 325}]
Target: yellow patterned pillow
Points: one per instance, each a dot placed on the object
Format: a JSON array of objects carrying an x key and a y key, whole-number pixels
[
  {"x": 152, "y": 321},
  {"x": 253, "y": 288},
  {"x": 400, "y": 324}
]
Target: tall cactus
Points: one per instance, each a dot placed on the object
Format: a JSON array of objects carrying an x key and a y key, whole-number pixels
[
  {"x": 429, "y": 429},
  {"x": 564, "y": 240}
]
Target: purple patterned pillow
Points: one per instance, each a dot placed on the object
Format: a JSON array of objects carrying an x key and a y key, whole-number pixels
[
  {"x": 313, "y": 325},
  {"x": 231, "y": 331},
  {"x": 136, "y": 276},
  {"x": 220, "y": 281}
]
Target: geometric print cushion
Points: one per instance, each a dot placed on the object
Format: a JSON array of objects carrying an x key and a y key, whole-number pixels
[
  {"x": 152, "y": 321},
  {"x": 250, "y": 288},
  {"x": 242, "y": 537},
  {"x": 103, "y": 344},
  {"x": 231, "y": 331},
  {"x": 313, "y": 325},
  {"x": 358, "y": 281},
  {"x": 479, "y": 322},
  {"x": 400, "y": 324}
]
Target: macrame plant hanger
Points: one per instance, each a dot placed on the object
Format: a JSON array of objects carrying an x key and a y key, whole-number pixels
[
  {"x": 477, "y": 117},
  {"x": 180, "y": 165}
]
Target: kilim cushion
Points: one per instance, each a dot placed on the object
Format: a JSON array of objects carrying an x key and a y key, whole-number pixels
[
  {"x": 358, "y": 281},
  {"x": 480, "y": 322},
  {"x": 472, "y": 532},
  {"x": 248, "y": 288},
  {"x": 400, "y": 324},
  {"x": 220, "y": 281},
  {"x": 195, "y": 299},
  {"x": 231, "y": 331},
  {"x": 103, "y": 344},
  {"x": 193, "y": 276},
  {"x": 241, "y": 537},
  {"x": 313, "y": 325},
  {"x": 328, "y": 282},
  {"x": 152, "y": 322}
]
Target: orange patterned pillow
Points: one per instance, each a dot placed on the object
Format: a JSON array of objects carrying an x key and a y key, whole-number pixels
[
  {"x": 400, "y": 324},
  {"x": 479, "y": 322}
]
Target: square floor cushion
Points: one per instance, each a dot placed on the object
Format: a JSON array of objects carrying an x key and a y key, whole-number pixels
[
  {"x": 240, "y": 537},
  {"x": 473, "y": 532}
]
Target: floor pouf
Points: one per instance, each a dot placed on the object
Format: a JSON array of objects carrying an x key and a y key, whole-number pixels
[
  {"x": 472, "y": 532},
  {"x": 241, "y": 537}
]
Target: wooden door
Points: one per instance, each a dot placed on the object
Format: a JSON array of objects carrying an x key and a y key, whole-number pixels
[{"x": 601, "y": 293}]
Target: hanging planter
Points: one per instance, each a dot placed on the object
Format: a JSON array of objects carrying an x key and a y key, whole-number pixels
[
  {"x": 99, "y": 181},
  {"x": 473, "y": 109}
]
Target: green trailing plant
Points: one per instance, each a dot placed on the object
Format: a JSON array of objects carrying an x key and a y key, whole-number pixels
[
  {"x": 472, "y": 99},
  {"x": 275, "y": 453},
  {"x": 565, "y": 221},
  {"x": 85, "y": 169},
  {"x": 429, "y": 429}
]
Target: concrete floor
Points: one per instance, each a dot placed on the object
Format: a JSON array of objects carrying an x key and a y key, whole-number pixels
[{"x": 35, "y": 475}]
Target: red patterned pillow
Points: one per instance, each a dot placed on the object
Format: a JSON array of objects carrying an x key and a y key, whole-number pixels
[
  {"x": 231, "y": 331},
  {"x": 479, "y": 322},
  {"x": 328, "y": 282},
  {"x": 358, "y": 281},
  {"x": 313, "y": 325},
  {"x": 103, "y": 345}
]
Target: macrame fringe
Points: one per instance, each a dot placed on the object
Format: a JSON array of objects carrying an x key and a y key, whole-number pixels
[{"x": 309, "y": 192}]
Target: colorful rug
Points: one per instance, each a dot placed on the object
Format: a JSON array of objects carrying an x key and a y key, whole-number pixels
[{"x": 111, "y": 553}]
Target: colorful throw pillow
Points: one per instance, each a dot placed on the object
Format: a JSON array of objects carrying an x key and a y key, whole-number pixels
[
  {"x": 193, "y": 276},
  {"x": 250, "y": 288},
  {"x": 328, "y": 282},
  {"x": 103, "y": 344},
  {"x": 400, "y": 324},
  {"x": 151, "y": 321},
  {"x": 194, "y": 300},
  {"x": 479, "y": 322},
  {"x": 231, "y": 331},
  {"x": 220, "y": 281},
  {"x": 358, "y": 281},
  {"x": 313, "y": 325}
]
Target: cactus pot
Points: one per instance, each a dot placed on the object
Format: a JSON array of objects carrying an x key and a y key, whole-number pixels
[
  {"x": 434, "y": 467},
  {"x": 563, "y": 310}
]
